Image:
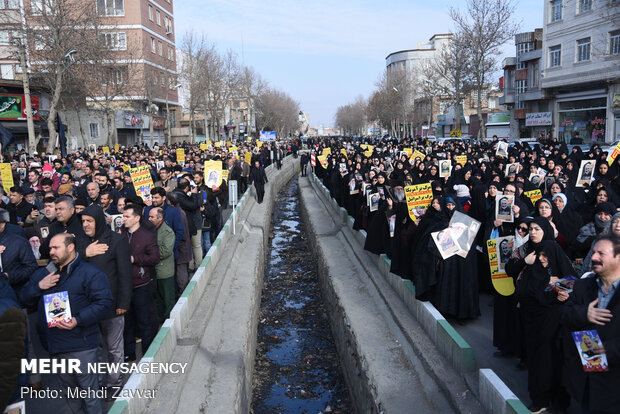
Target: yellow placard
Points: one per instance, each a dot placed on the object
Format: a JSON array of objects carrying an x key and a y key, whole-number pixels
[
  {"x": 6, "y": 175},
  {"x": 259, "y": 144},
  {"x": 364, "y": 147},
  {"x": 106, "y": 150},
  {"x": 204, "y": 147},
  {"x": 209, "y": 143},
  {"x": 142, "y": 181},
  {"x": 417, "y": 154},
  {"x": 213, "y": 169},
  {"x": 234, "y": 151},
  {"x": 181, "y": 156},
  {"x": 323, "y": 160},
  {"x": 614, "y": 154},
  {"x": 368, "y": 153},
  {"x": 248, "y": 157},
  {"x": 125, "y": 167},
  {"x": 326, "y": 151},
  {"x": 533, "y": 195},
  {"x": 461, "y": 159},
  {"x": 409, "y": 151},
  {"x": 217, "y": 144},
  {"x": 343, "y": 152},
  {"x": 225, "y": 175},
  {"x": 418, "y": 196},
  {"x": 116, "y": 147},
  {"x": 503, "y": 284}
]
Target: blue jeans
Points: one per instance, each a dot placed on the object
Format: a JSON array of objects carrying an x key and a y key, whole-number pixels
[{"x": 206, "y": 242}]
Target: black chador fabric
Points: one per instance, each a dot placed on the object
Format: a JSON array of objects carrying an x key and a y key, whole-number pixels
[
  {"x": 456, "y": 293},
  {"x": 378, "y": 231},
  {"x": 403, "y": 232},
  {"x": 423, "y": 264}
]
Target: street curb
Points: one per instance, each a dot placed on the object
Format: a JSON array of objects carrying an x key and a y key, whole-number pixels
[
  {"x": 451, "y": 344},
  {"x": 165, "y": 341}
]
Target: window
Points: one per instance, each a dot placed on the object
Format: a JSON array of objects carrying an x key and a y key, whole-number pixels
[
  {"x": 10, "y": 4},
  {"x": 7, "y": 72},
  {"x": 36, "y": 7},
  {"x": 585, "y": 5},
  {"x": 583, "y": 50},
  {"x": 150, "y": 12},
  {"x": 521, "y": 86},
  {"x": 4, "y": 37},
  {"x": 94, "y": 130},
  {"x": 534, "y": 75},
  {"x": 114, "y": 75},
  {"x": 158, "y": 17},
  {"x": 161, "y": 79},
  {"x": 614, "y": 43},
  {"x": 153, "y": 45},
  {"x": 555, "y": 56},
  {"x": 111, "y": 7},
  {"x": 168, "y": 24},
  {"x": 524, "y": 47},
  {"x": 114, "y": 41},
  {"x": 556, "y": 10},
  {"x": 160, "y": 47}
]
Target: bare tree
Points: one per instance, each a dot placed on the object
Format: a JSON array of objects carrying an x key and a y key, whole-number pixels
[
  {"x": 351, "y": 118},
  {"x": 483, "y": 28},
  {"x": 277, "y": 111},
  {"x": 449, "y": 73},
  {"x": 251, "y": 85},
  {"x": 383, "y": 104}
]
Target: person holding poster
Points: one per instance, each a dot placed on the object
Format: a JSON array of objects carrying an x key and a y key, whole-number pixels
[
  {"x": 539, "y": 262},
  {"x": 586, "y": 173},
  {"x": 378, "y": 231},
  {"x": 503, "y": 208},
  {"x": 594, "y": 305}
]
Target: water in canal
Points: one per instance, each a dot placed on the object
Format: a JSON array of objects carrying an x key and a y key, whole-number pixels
[{"x": 297, "y": 369}]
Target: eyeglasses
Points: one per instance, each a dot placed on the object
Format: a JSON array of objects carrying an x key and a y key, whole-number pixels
[{"x": 523, "y": 229}]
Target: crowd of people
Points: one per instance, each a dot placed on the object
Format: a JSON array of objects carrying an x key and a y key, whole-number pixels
[
  {"x": 102, "y": 262},
  {"x": 561, "y": 217}
]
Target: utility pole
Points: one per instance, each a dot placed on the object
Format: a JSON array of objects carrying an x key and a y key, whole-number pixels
[
  {"x": 26, "y": 82},
  {"x": 175, "y": 87}
]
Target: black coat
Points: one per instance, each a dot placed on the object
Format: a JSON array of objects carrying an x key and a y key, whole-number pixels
[
  {"x": 258, "y": 176},
  {"x": 18, "y": 261},
  {"x": 73, "y": 226},
  {"x": 18, "y": 213},
  {"x": 191, "y": 205},
  {"x": 603, "y": 386},
  {"x": 115, "y": 263}
]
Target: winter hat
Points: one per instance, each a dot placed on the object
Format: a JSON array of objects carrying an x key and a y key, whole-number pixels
[
  {"x": 47, "y": 169},
  {"x": 606, "y": 207}
]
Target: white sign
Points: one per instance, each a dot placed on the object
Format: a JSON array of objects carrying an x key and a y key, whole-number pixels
[
  {"x": 538, "y": 119},
  {"x": 232, "y": 193}
]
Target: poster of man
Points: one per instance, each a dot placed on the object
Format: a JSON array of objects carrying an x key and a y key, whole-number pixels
[
  {"x": 506, "y": 246},
  {"x": 373, "y": 201},
  {"x": 213, "y": 178},
  {"x": 445, "y": 168},
  {"x": 585, "y": 173},
  {"x": 502, "y": 149},
  {"x": 512, "y": 169},
  {"x": 353, "y": 187},
  {"x": 503, "y": 208},
  {"x": 445, "y": 243},
  {"x": 535, "y": 179},
  {"x": 58, "y": 308}
]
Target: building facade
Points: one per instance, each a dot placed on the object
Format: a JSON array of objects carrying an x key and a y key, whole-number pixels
[
  {"x": 139, "y": 34},
  {"x": 581, "y": 68}
]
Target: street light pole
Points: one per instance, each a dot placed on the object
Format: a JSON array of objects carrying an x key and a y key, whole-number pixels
[{"x": 26, "y": 82}]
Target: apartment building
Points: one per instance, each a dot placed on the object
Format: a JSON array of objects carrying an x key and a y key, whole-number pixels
[
  {"x": 141, "y": 38},
  {"x": 581, "y": 68}
]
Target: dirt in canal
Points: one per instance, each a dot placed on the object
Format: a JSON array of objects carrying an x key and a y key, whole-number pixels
[{"x": 297, "y": 369}]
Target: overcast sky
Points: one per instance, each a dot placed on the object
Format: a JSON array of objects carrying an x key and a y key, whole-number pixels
[{"x": 324, "y": 53}]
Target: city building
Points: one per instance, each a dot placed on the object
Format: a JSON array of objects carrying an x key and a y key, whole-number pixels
[
  {"x": 581, "y": 68},
  {"x": 142, "y": 67},
  {"x": 529, "y": 106}
]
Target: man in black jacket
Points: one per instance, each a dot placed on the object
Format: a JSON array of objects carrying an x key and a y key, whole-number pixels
[
  {"x": 19, "y": 209},
  {"x": 66, "y": 221},
  {"x": 17, "y": 261},
  {"x": 259, "y": 178},
  {"x": 594, "y": 304},
  {"x": 110, "y": 252},
  {"x": 189, "y": 201}
]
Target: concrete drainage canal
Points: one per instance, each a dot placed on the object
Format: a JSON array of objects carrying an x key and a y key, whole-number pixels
[{"x": 297, "y": 369}]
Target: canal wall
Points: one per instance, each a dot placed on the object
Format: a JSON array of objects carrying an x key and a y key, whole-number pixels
[
  {"x": 430, "y": 344},
  {"x": 213, "y": 325}
]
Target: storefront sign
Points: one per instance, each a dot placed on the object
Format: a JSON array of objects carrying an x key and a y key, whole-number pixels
[
  {"x": 132, "y": 120},
  {"x": 498, "y": 117},
  {"x": 159, "y": 122},
  {"x": 14, "y": 107},
  {"x": 538, "y": 119}
]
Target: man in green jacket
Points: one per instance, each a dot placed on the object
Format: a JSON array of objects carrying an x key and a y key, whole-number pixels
[{"x": 165, "y": 268}]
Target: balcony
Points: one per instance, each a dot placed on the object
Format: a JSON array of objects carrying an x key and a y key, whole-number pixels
[
  {"x": 509, "y": 62},
  {"x": 521, "y": 74},
  {"x": 531, "y": 95},
  {"x": 508, "y": 97}
]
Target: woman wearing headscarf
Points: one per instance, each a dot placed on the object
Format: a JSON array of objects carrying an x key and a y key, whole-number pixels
[
  {"x": 403, "y": 229},
  {"x": 599, "y": 225},
  {"x": 456, "y": 294},
  {"x": 536, "y": 264},
  {"x": 378, "y": 231},
  {"x": 545, "y": 209},
  {"x": 566, "y": 220}
]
